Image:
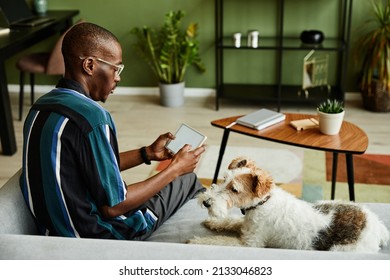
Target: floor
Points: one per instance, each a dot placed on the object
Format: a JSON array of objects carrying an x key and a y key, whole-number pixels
[{"x": 140, "y": 119}]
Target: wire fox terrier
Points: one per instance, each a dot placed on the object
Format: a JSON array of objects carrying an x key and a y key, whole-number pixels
[{"x": 275, "y": 218}]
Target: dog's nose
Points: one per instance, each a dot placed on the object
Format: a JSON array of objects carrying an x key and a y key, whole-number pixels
[{"x": 206, "y": 203}]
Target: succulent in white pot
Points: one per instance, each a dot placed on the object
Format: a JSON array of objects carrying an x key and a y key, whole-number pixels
[{"x": 331, "y": 115}]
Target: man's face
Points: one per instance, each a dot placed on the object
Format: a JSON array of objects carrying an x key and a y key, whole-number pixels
[{"x": 106, "y": 73}]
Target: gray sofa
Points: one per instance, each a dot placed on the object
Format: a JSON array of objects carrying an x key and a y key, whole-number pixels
[{"x": 19, "y": 239}]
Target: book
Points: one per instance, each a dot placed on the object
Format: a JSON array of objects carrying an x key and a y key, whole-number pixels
[{"x": 261, "y": 119}]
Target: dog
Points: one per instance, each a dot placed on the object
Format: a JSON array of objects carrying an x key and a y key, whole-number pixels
[{"x": 275, "y": 218}]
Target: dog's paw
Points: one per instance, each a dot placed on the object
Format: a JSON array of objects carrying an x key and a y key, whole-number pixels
[
  {"x": 230, "y": 224},
  {"x": 208, "y": 223},
  {"x": 196, "y": 240},
  {"x": 214, "y": 224},
  {"x": 216, "y": 240}
]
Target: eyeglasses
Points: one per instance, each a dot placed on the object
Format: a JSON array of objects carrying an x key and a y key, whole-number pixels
[{"x": 118, "y": 67}]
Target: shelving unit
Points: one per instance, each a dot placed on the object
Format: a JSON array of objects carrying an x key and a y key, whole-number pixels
[{"x": 281, "y": 45}]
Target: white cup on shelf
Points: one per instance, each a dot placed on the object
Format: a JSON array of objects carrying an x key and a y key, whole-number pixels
[
  {"x": 237, "y": 39},
  {"x": 253, "y": 38}
]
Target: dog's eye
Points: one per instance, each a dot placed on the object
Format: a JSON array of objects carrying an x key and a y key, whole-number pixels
[{"x": 234, "y": 190}]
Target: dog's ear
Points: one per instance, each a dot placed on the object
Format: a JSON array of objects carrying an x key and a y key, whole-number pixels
[
  {"x": 262, "y": 183},
  {"x": 238, "y": 163},
  {"x": 255, "y": 182}
]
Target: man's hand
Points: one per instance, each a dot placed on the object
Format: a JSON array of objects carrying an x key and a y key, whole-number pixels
[
  {"x": 157, "y": 150},
  {"x": 186, "y": 160}
]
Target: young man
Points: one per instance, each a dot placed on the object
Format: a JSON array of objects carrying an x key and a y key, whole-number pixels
[{"x": 71, "y": 177}]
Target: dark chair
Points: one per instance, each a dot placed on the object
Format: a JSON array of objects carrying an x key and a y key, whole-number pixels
[{"x": 48, "y": 63}]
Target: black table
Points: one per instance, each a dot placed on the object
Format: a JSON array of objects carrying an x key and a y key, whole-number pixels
[{"x": 13, "y": 43}]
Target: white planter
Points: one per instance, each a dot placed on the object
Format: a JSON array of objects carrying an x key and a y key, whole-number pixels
[
  {"x": 330, "y": 124},
  {"x": 172, "y": 95}
]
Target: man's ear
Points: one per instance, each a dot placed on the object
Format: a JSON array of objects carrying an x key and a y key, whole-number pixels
[{"x": 88, "y": 65}]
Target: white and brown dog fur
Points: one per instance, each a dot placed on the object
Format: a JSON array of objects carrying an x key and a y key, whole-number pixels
[{"x": 275, "y": 218}]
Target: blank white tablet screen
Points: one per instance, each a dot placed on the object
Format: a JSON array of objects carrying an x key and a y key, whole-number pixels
[{"x": 186, "y": 135}]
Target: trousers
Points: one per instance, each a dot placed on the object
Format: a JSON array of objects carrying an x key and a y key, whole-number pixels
[{"x": 173, "y": 196}]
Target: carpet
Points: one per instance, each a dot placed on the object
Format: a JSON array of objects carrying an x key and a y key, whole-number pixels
[
  {"x": 376, "y": 168},
  {"x": 303, "y": 172},
  {"x": 317, "y": 170}
]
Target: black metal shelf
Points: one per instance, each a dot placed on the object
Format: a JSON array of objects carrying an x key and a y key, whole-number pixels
[
  {"x": 330, "y": 44},
  {"x": 272, "y": 43},
  {"x": 269, "y": 93},
  {"x": 277, "y": 91}
]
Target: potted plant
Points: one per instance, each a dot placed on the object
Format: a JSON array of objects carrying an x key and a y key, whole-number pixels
[
  {"x": 169, "y": 51},
  {"x": 331, "y": 115},
  {"x": 373, "y": 51}
]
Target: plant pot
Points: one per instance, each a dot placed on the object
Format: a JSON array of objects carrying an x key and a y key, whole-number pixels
[
  {"x": 172, "y": 95},
  {"x": 378, "y": 100},
  {"x": 330, "y": 124}
]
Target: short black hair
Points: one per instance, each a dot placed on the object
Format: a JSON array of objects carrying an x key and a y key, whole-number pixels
[{"x": 83, "y": 39}]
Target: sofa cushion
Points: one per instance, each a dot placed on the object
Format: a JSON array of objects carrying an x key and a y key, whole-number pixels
[
  {"x": 24, "y": 247},
  {"x": 15, "y": 215},
  {"x": 185, "y": 224}
]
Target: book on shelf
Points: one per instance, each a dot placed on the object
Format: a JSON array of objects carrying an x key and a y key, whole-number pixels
[{"x": 261, "y": 119}]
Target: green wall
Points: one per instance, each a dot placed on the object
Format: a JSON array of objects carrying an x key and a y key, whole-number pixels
[{"x": 120, "y": 16}]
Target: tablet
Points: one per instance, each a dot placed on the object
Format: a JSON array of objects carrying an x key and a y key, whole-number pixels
[{"x": 185, "y": 135}]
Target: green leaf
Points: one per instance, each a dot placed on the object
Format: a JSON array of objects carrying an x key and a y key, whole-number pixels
[
  {"x": 331, "y": 106},
  {"x": 372, "y": 47},
  {"x": 170, "y": 50}
]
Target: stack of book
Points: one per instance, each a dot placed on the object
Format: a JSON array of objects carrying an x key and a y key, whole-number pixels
[{"x": 261, "y": 119}]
